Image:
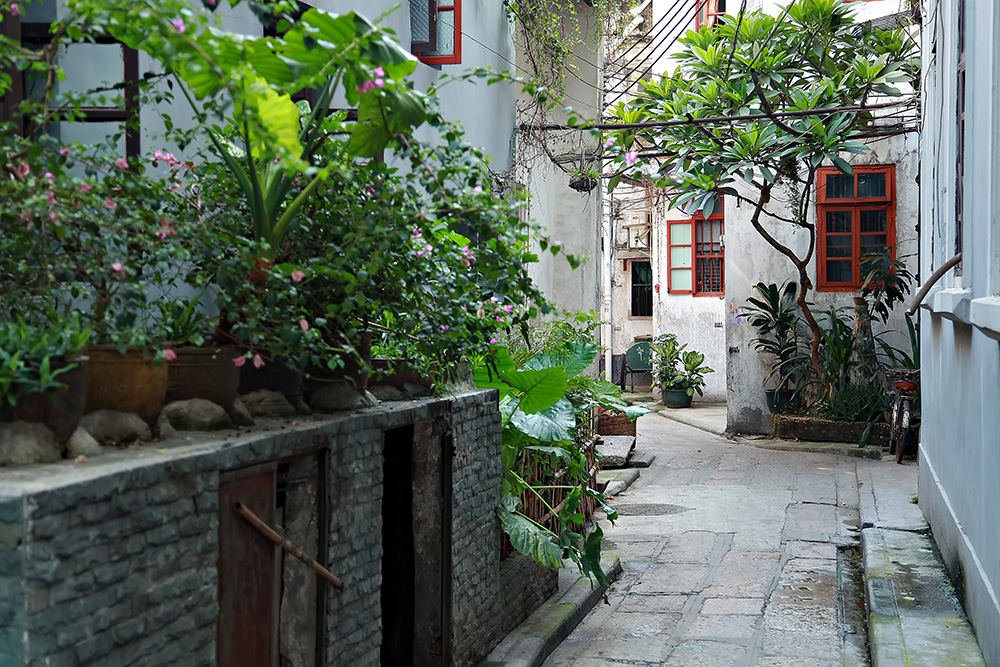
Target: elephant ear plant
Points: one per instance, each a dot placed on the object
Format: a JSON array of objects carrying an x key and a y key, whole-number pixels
[
  {"x": 677, "y": 369},
  {"x": 542, "y": 404}
]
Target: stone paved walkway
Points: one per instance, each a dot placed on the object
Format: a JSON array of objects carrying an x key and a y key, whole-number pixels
[{"x": 730, "y": 558}]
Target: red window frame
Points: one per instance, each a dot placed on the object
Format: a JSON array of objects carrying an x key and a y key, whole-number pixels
[
  {"x": 697, "y": 279},
  {"x": 438, "y": 24},
  {"x": 708, "y": 13},
  {"x": 855, "y": 205}
]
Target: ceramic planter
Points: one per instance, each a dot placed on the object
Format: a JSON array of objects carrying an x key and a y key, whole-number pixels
[
  {"x": 676, "y": 398},
  {"x": 62, "y": 409},
  {"x": 128, "y": 382},
  {"x": 204, "y": 372}
]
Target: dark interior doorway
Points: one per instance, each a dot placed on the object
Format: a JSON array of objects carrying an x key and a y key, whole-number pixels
[{"x": 398, "y": 568}]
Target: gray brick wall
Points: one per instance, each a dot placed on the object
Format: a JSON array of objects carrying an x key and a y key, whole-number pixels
[
  {"x": 114, "y": 562},
  {"x": 523, "y": 588}
]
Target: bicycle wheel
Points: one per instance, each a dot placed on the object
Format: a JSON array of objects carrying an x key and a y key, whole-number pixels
[{"x": 904, "y": 430}]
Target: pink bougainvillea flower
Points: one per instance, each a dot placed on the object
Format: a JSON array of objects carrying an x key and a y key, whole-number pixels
[
  {"x": 110, "y": 204},
  {"x": 118, "y": 268},
  {"x": 239, "y": 361},
  {"x": 23, "y": 170},
  {"x": 210, "y": 3},
  {"x": 476, "y": 190},
  {"x": 162, "y": 233},
  {"x": 494, "y": 299},
  {"x": 170, "y": 355},
  {"x": 178, "y": 24},
  {"x": 609, "y": 143},
  {"x": 121, "y": 163},
  {"x": 166, "y": 228},
  {"x": 297, "y": 276},
  {"x": 499, "y": 319},
  {"x": 416, "y": 232},
  {"x": 631, "y": 157},
  {"x": 49, "y": 175},
  {"x": 258, "y": 361},
  {"x": 15, "y": 9},
  {"x": 365, "y": 87},
  {"x": 445, "y": 327},
  {"x": 379, "y": 71},
  {"x": 64, "y": 152},
  {"x": 304, "y": 325},
  {"x": 51, "y": 197},
  {"x": 86, "y": 187},
  {"x": 493, "y": 341},
  {"x": 508, "y": 308}
]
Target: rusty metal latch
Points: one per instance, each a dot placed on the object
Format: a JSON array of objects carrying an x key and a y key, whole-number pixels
[{"x": 274, "y": 536}]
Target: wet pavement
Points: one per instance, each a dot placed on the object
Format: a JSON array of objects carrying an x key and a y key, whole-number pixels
[{"x": 731, "y": 556}]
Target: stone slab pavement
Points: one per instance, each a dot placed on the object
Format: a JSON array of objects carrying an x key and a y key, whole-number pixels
[{"x": 730, "y": 555}]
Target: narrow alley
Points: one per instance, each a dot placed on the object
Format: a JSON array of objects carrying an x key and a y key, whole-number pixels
[{"x": 730, "y": 558}]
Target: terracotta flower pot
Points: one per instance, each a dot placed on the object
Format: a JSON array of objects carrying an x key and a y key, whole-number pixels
[
  {"x": 127, "y": 382},
  {"x": 62, "y": 409},
  {"x": 204, "y": 372}
]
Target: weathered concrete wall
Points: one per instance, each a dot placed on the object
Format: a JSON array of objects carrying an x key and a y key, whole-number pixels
[
  {"x": 524, "y": 586},
  {"x": 960, "y": 327},
  {"x": 114, "y": 562}
]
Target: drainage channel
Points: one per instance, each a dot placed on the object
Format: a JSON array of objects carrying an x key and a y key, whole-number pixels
[{"x": 852, "y": 611}]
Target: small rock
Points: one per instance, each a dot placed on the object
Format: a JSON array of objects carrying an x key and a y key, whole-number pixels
[
  {"x": 267, "y": 403},
  {"x": 196, "y": 414},
  {"x": 416, "y": 390},
  {"x": 82, "y": 443},
  {"x": 387, "y": 392},
  {"x": 337, "y": 396},
  {"x": 164, "y": 430},
  {"x": 22, "y": 443},
  {"x": 110, "y": 427},
  {"x": 239, "y": 414}
]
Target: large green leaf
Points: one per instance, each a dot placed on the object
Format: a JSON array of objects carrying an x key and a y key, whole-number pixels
[
  {"x": 579, "y": 357},
  {"x": 530, "y": 539},
  {"x": 540, "y": 389},
  {"x": 554, "y": 424}
]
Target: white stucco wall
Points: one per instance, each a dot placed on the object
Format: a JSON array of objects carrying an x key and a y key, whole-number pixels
[{"x": 960, "y": 328}]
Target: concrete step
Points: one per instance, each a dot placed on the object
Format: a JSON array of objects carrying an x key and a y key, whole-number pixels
[{"x": 640, "y": 459}]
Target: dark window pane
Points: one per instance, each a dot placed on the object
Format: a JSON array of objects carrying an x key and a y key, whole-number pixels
[
  {"x": 838, "y": 222},
  {"x": 871, "y": 185},
  {"x": 873, "y": 243},
  {"x": 838, "y": 272},
  {"x": 642, "y": 289},
  {"x": 838, "y": 246},
  {"x": 839, "y": 186},
  {"x": 420, "y": 28},
  {"x": 874, "y": 221}
]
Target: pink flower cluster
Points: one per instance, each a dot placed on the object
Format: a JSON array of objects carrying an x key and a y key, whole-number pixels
[
  {"x": 165, "y": 229},
  {"x": 258, "y": 361},
  {"x": 425, "y": 248},
  {"x": 372, "y": 84},
  {"x": 467, "y": 259}
]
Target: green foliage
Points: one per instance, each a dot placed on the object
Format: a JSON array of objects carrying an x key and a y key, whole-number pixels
[
  {"x": 544, "y": 400},
  {"x": 775, "y": 315},
  {"x": 32, "y": 357},
  {"x": 675, "y": 368},
  {"x": 886, "y": 281}
]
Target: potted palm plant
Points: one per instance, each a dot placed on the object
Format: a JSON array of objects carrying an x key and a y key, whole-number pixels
[
  {"x": 678, "y": 373},
  {"x": 774, "y": 314}
]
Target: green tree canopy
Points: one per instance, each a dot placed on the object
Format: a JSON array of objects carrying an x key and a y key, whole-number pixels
[{"x": 787, "y": 93}]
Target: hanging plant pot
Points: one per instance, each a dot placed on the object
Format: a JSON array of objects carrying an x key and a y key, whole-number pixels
[
  {"x": 676, "y": 398},
  {"x": 128, "y": 382},
  {"x": 204, "y": 372},
  {"x": 62, "y": 409},
  {"x": 583, "y": 183}
]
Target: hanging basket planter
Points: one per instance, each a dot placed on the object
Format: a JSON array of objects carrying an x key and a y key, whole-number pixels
[{"x": 583, "y": 183}]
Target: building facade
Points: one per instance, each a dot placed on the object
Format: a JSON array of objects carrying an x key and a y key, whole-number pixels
[{"x": 960, "y": 318}]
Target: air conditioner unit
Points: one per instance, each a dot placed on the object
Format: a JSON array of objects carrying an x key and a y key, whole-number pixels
[{"x": 638, "y": 230}]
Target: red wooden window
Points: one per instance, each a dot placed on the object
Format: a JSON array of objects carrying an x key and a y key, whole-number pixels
[
  {"x": 695, "y": 254},
  {"x": 709, "y": 13},
  {"x": 436, "y": 31},
  {"x": 856, "y": 215}
]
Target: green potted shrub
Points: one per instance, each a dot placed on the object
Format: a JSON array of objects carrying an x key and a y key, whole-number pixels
[
  {"x": 678, "y": 373},
  {"x": 774, "y": 314},
  {"x": 42, "y": 376}
]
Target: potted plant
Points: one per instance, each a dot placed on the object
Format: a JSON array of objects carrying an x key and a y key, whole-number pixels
[
  {"x": 774, "y": 314},
  {"x": 41, "y": 373},
  {"x": 678, "y": 373}
]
